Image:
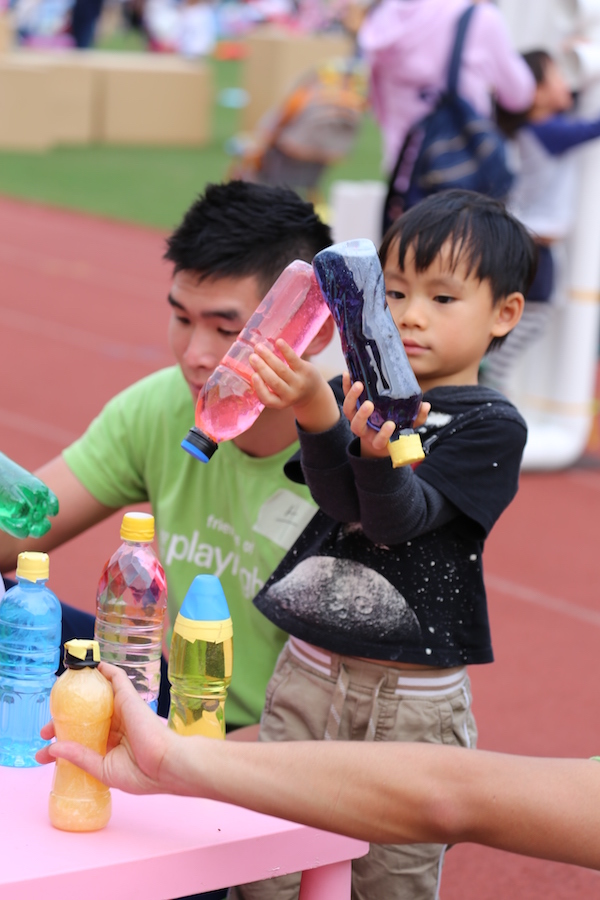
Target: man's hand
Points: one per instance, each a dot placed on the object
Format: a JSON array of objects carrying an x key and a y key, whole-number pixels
[{"x": 137, "y": 748}]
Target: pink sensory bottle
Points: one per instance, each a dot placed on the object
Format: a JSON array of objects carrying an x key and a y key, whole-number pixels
[
  {"x": 131, "y": 602},
  {"x": 295, "y": 310}
]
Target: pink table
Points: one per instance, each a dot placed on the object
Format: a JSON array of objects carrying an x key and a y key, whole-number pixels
[{"x": 158, "y": 847}]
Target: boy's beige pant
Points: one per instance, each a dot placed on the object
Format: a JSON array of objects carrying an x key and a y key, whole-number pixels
[{"x": 315, "y": 696}]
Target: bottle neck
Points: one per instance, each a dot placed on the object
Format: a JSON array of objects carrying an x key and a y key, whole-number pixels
[
  {"x": 84, "y": 667},
  {"x": 27, "y": 584}
]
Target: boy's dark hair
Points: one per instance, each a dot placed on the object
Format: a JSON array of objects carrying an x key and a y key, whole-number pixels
[
  {"x": 538, "y": 60},
  {"x": 510, "y": 122},
  {"x": 239, "y": 229},
  {"x": 481, "y": 233}
]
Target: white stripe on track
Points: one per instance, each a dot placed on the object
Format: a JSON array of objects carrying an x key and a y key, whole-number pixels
[{"x": 531, "y": 595}]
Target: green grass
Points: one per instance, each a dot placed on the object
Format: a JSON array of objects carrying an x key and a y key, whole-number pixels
[{"x": 149, "y": 185}]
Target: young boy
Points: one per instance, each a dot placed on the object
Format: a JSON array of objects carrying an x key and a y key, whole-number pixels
[{"x": 383, "y": 594}]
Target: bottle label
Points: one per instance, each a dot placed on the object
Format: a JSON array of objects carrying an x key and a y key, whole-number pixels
[{"x": 215, "y": 632}]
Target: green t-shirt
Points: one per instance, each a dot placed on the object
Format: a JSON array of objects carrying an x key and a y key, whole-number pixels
[{"x": 234, "y": 517}]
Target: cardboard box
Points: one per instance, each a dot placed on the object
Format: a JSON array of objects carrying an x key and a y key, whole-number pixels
[
  {"x": 25, "y": 112},
  {"x": 79, "y": 96},
  {"x": 151, "y": 99},
  {"x": 276, "y": 59},
  {"x": 69, "y": 89},
  {"x": 6, "y": 32}
]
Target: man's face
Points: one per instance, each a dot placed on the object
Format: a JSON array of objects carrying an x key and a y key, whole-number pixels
[{"x": 206, "y": 318}]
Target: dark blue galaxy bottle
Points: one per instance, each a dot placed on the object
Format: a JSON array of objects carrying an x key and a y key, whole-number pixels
[{"x": 351, "y": 281}]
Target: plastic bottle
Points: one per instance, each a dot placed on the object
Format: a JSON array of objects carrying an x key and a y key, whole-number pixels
[
  {"x": 351, "y": 280},
  {"x": 227, "y": 405},
  {"x": 130, "y": 607},
  {"x": 201, "y": 660},
  {"x": 81, "y": 704},
  {"x": 25, "y": 501},
  {"x": 30, "y": 630}
]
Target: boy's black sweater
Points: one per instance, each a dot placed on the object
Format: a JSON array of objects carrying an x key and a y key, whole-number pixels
[{"x": 390, "y": 567}]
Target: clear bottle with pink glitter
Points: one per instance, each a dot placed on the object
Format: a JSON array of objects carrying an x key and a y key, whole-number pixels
[
  {"x": 131, "y": 602},
  {"x": 295, "y": 310}
]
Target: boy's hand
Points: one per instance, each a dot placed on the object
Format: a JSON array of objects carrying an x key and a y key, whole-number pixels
[
  {"x": 294, "y": 383},
  {"x": 422, "y": 415},
  {"x": 373, "y": 444}
]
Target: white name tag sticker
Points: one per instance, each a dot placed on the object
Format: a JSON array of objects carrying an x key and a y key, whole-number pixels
[{"x": 283, "y": 518}]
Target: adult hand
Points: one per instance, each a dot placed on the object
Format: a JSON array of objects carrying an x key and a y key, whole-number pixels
[{"x": 137, "y": 750}]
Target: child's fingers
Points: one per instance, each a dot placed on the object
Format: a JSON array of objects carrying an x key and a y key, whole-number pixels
[
  {"x": 288, "y": 354},
  {"x": 290, "y": 360},
  {"x": 268, "y": 359},
  {"x": 351, "y": 399},
  {"x": 382, "y": 437},
  {"x": 267, "y": 372},
  {"x": 422, "y": 414},
  {"x": 358, "y": 422},
  {"x": 267, "y": 396},
  {"x": 346, "y": 383}
]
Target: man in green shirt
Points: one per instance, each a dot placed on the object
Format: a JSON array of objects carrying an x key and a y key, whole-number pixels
[{"x": 237, "y": 516}]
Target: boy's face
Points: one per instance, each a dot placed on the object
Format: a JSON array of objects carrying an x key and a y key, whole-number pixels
[
  {"x": 206, "y": 318},
  {"x": 446, "y": 318}
]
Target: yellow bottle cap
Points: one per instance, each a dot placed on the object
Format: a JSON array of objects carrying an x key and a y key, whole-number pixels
[
  {"x": 137, "y": 526},
  {"x": 80, "y": 649},
  {"x": 81, "y": 654},
  {"x": 405, "y": 450},
  {"x": 33, "y": 566}
]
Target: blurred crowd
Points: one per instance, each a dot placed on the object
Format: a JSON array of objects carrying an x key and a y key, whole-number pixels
[
  {"x": 190, "y": 27},
  {"x": 398, "y": 64}
]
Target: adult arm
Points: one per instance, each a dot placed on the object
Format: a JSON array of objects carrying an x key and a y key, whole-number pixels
[
  {"x": 380, "y": 792},
  {"x": 77, "y": 511}
]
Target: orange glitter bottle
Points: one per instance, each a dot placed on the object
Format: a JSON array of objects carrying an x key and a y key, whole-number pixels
[{"x": 81, "y": 705}]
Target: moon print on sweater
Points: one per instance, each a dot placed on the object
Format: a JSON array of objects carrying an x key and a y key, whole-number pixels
[{"x": 346, "y": 596}]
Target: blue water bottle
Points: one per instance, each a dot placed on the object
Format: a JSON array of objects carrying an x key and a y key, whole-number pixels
[{"x": 30, "y": 631}]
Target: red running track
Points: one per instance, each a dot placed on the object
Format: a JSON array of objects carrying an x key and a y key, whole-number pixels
[{"x": 83, "y": 313}]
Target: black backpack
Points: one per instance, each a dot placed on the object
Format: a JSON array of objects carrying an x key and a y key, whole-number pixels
[{"x": 452, "y": 147}]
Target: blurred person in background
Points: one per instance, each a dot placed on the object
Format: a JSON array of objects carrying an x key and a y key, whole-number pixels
[
  {"x": 85, "y": 16},
  {"x": 543, "y": 197},
  {"x": 407, "y": 45}
]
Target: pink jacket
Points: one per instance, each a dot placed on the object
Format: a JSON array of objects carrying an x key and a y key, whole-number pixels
[{"x": 407, "y": 44}]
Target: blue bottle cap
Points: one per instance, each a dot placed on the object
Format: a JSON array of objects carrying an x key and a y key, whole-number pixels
[
  {"x": 205, "y": 600},
  {"x": 199, "y": 445}
]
